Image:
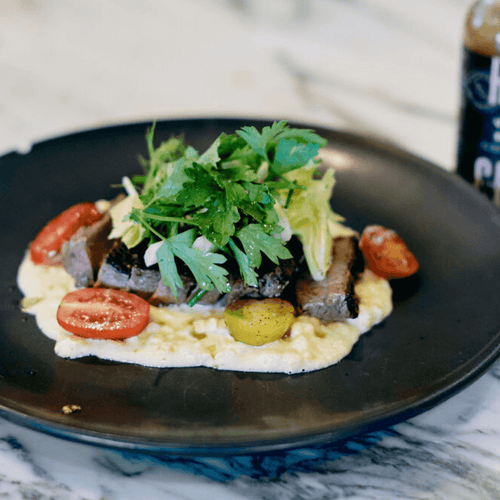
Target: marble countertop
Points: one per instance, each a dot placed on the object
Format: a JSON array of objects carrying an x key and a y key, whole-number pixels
[{"x": 386, "y": 68}]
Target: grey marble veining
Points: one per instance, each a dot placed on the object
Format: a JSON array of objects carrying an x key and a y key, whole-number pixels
[
  {"x": 385, "y": 68},
  {"x": 381, "y": 67},
  {"x": 447, "y": 452}
]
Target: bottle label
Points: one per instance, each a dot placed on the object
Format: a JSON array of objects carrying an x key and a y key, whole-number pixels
[{"x": 479, "y": 133}]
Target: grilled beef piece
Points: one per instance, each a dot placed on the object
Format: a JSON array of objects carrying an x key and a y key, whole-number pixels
[
  {"x": 143, "y": 281},
  {"x": 333, "y": 298},
  {"x": 271, "y": 282},
  {"x": 163, "y": 295},
  {"x": 239, "y": 290},
  {"x": 84, "y": 252},
  {"x": 124, "y": 269}
]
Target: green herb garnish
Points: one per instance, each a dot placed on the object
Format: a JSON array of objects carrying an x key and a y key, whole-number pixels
[{"x": 227, "y": 203}]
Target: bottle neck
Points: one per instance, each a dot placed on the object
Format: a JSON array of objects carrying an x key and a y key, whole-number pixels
[{"x": 482, "y": 28}]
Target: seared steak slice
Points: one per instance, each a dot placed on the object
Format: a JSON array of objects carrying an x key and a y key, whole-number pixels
[
  {"x": 274, "y": 281},
  {"x": 84, "y": 252},
  {"x": 333, "y": 298},
  {"x": 117, "y": 267},
  {"x": 271, "y": 282},
  {"x": 239, "y": 289},
  {"x": 142, "y": 281},
  {"x": 163, "y": 295},
  {"x": 124, "y": 269}
]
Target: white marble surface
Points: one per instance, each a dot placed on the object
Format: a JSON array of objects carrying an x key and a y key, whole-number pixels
[{"x": 383, "y": 67}]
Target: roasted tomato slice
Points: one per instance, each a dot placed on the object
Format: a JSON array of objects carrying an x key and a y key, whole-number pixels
[
  {"x": 60, "y": 229},
  {"x": 103, "y": 313},
  {"x": 386, "y": 254}
]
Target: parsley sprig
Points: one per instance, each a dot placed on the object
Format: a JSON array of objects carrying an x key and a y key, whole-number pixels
[{"x": 224, "y": 198}]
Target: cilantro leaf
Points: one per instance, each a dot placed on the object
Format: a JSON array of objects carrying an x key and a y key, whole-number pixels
[
  {"x": 166, "y": 262},
  {"x": 211, "y": 156},
  {"x": 175, "y": 180},
  {"x": 302, "y": 135},
  {"x": 292, "y": 154},
  {"x": 218, "y": 224},
  {"x": 198, "y": 189},
  {"x": 247, "y": 272},
  {"x": 259, "y": 141},
  {"x": 231, "y": 146},
  {"x": 255, "y": 241},
  {"x": 168, "y": 268},
  {"x": 204, "y": 266}
]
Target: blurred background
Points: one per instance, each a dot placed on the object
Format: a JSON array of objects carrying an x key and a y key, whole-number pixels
[{"x": 385, "y": 67}]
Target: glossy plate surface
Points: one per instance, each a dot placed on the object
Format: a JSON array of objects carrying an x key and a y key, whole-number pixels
[{"x": 444, "y": 332}]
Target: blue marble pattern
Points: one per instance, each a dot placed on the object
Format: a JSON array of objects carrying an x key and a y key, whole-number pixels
[{"x": 380, "y": 67}]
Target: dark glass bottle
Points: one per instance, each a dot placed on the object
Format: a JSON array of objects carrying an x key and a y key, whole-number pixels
[{"x": 479, "y": 126}]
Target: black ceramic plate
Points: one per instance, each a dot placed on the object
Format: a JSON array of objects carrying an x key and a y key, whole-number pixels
[{"x": 444, "y": 332}]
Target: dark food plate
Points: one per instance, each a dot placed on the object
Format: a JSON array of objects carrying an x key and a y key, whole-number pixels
[{"x": 444, "y": 331}]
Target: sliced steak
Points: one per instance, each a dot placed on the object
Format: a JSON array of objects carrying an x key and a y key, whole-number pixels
[
  {"x": 239, "y": 290},
  {"x": 333, "y": 298},
  {"x": 84, "y": 252},
  {"x": 143, "y": 281},
  {"x": 163, "y": 295},
  {"x": 124, "y": 269},
  {"x": 271, "y": 282}
]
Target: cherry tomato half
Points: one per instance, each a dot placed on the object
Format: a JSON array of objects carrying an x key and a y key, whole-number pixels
[
  {"x": 60, "y": 229},
  {"x": 386, "y": 254},
  {"x": 103, "y": 313}
]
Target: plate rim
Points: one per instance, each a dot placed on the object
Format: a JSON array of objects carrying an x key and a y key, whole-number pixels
[{"x": 390, "y": 417}]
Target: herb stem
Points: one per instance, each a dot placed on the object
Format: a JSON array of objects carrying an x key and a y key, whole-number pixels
[
  {"x": 197, "y": 296},
  {"x": 164, "y": 218},
  {"x": 288, "y": 198},
  {"x": 148, "y": 226}
]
